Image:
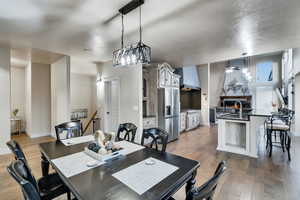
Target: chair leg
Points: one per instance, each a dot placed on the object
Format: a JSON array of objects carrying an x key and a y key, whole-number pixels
[
  {"x": 270, "y": 142},
  {"x": 69, "y": 195},
  {"x": 282, "y": 136},
  {"x": 44, "y": 165},
  {"x": 288, "y": 146}
]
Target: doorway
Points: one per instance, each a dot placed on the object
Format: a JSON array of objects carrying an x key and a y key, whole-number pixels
[{"x": 112, "y": 105}]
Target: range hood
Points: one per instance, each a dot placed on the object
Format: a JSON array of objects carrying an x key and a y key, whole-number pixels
[{"x": 189, "y": 78}]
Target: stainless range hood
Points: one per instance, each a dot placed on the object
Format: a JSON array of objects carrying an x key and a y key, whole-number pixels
[{"x": 189, "y": 78}]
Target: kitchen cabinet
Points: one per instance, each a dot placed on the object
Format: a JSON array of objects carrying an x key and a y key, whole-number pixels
[
  {"x": 192, "y": 120},
  {"x": 167, "y": 78},
  {"x": 182, "y": 121},
  {"x": 175, "y": 80}
]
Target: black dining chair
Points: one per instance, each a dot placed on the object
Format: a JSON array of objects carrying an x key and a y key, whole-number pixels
[
  {"x": 157, "y": 137},
  {"x": 46, "y": 188},
  {"x": 16, "y": 149},
  {"x": 19, "y": 155},
  {"x": 126, "y": 131},
  {"x": 207, "y": 190},
  {"x": 68, "y": 130}
]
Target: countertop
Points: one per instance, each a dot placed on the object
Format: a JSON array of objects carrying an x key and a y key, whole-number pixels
[
  {"x": 262, "y": 113},
  {"x": 190, "y": 110},
  {"x": 245, "y": 116},
  {"x": 149, "y": 116}
]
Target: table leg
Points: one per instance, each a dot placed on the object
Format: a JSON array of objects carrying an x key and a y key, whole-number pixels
[
  {"x": 44, "y": 165},
  {"x": 191, "y": 183}
]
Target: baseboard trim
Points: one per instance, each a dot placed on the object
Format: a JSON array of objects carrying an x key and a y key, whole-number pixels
[{"x": 37, "y": 135}]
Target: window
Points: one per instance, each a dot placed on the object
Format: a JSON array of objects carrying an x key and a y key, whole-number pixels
[{"x": 264, "y": 71}]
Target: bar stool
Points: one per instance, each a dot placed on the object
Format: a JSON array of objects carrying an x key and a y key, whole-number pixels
[{"x": 278, "y": 126}]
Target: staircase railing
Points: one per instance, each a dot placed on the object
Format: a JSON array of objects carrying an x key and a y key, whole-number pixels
[{"x": 89, "y": 122}]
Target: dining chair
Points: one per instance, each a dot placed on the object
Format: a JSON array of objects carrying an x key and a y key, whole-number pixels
[
  {"x": 68, "y": 130},
  {"x": 46, "y": 188},
  {"x": 126, "y": 132},
  {"x": 16, "y": 149},
  {"x": 207, "y": 190},
  {"x": 19, "y": 155},
  {"x": 155, "y": 136}
]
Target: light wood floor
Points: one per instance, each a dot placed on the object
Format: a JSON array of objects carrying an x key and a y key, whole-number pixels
[{"x": 246, "y": 178}]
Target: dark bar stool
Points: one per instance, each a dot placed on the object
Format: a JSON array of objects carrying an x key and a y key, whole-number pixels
[{"x": 278, "y": 126}]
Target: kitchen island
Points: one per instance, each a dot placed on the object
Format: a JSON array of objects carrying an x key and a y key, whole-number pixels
[{"x": 239, "y": 133}]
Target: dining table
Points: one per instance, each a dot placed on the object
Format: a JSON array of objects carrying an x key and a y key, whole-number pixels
[{"x": 101, "y": 182}]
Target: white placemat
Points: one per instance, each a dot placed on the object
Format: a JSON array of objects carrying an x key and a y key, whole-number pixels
[
  {"x": 129, "y": 147},
  {"x": 76, "y": 163},
  {"x": 77, "y": 140},
  {"x": 73, "y": 164},
  {"x": 140, "y": 177}
]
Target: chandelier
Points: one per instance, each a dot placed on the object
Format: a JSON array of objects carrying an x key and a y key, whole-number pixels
[{"x": 138, "y": 53}]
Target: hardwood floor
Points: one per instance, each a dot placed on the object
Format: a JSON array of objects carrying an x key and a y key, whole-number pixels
[{"x": 246, "y": 178}]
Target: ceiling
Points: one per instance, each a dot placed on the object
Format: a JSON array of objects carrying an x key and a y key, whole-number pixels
[
  {"x": 180, "y": 32},
  {"x": 21, "y": 56}
]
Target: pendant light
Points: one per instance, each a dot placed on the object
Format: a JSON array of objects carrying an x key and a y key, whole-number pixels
[{"x": 138, "y": 53}]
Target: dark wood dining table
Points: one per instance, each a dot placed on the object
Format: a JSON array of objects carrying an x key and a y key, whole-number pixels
[{"x": 98, "y": 183}]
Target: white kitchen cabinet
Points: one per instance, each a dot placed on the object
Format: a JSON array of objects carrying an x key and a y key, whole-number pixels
[
  {"x": 193, "y": 120},
  {"x": 162, "y": 78},
  {"x": 167, "y": 78},
  {"x": 175, "y": 80},
  {"x": 182, "y": 121}
]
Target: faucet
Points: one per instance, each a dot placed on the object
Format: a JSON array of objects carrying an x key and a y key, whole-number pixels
[
  {"x": 236, "y": 101},
  {"x": 241, "y": 109}
]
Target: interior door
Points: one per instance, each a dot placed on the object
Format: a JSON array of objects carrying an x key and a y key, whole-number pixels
[{"x": 111, "y": 105}]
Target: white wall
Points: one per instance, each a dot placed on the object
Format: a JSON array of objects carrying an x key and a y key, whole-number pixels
[
  {"x": 83, "y": 94},
  {"x": 297, "y": 105},
  {"x": 60, "y": 92},
  {"x": 216, "y": 83},
  {"x": 296, "y": 68},
  {"x": 203, "y": 71},
  {"x": 18, "y": 93},
  {"x": 40, "y": 100},
  {"x": 5, "y": 98},
  {"x": 296, "y": 60},
  {"x": 28, "y": 97},
  {"x": 130, "y": 93}
]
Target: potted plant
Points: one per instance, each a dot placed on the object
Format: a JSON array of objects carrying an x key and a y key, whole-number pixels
[{"x": 15, "y": 112}]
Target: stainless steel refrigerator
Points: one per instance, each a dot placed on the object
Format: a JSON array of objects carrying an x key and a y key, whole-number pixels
[{"x": 169, "y": 111}]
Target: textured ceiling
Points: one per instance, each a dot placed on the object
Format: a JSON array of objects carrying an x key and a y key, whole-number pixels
[{"x": 181, "y": 32}]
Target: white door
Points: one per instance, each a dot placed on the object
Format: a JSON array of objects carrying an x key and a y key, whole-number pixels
[{"x": 112, "y": 91}]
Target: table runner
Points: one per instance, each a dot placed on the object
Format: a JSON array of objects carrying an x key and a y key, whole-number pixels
[{"x": 76, "y": 163}]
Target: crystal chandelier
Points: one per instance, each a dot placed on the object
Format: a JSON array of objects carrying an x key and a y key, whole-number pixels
[{"x": 134, "y": 53}]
